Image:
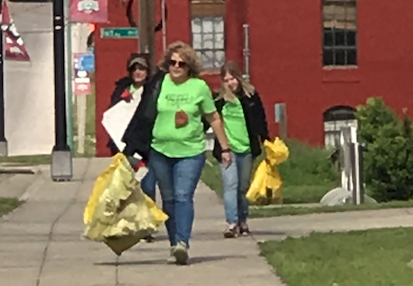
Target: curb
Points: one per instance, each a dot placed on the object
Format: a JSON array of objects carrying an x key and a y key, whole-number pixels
[{"x": 16, "y": 170}]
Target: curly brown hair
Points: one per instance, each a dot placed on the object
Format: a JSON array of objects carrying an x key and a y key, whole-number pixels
[{"x": 187, "y": 53}]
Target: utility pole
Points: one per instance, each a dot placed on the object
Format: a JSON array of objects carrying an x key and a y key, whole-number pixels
[
  {"x": 147, "y": 31},
  {"x": 61, "y": 167},
  {"x": 3, "y": 141},
  {"x": 142, "y": 26},
  {"x": 151, "y": 34}
]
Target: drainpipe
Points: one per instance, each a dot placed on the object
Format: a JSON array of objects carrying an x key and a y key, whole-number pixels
[
  {"x": 246, "y": 51},
  {"x": 163, "y": 25}
]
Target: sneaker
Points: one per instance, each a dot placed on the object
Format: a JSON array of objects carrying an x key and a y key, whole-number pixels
[
  {"x": 180, "y": 253},
  {"x": 149, "y": 239},
  {"x": 244, "y": 230},
  {"x": 231, "y": 232},
  {"x": 171, "y": 259}
]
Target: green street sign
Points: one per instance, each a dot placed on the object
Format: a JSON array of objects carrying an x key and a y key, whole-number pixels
[{"x": 119, "y": 33}]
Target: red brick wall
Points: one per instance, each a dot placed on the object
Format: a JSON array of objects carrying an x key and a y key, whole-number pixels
[{"x": 286, "y": 65}]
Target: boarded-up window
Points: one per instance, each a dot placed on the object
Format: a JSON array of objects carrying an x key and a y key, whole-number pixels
[{"x": 339, "y": 32}]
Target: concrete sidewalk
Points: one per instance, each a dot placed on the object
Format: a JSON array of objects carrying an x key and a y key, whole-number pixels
[
  {"x": 41, "y": 244},
  {"x": 295, "y": 226}
]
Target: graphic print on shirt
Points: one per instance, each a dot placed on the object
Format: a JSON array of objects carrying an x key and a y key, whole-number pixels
[{"x": 179, "y": 99}]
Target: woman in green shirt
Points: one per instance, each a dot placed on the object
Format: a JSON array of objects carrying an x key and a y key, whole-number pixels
[
  {"x": 167, "y": 131},
  {"x": 246, "y": 128}
]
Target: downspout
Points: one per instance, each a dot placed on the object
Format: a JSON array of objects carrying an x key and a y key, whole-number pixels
[
  {"x": 163, "y": 25},
  {"x": 246, "y": 51}
]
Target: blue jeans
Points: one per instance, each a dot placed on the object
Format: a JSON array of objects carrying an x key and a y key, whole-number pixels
[
  {"x": 148, "y": 184},
  {"x": 177, "y": 179},
  {"x": 236, "y": 181}
]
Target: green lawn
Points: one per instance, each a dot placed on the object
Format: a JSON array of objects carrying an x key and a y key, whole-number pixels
[
  {"x": 359, "y": 258},
  {"x": 27, "y": 160},
  {"x": 7, "y": 205}
]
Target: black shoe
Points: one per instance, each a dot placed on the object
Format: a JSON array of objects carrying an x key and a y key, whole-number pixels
[
  {"x": 149, "y": 239},
  {"x": 244, "y": 230},
  {"x": 231, "y": 232}
]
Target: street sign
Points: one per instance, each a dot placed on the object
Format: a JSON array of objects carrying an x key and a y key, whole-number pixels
[
  {"x": 82, "y": 86},
  {"x": 119, "y": 33},
  {"x": 85, "y": 62}
]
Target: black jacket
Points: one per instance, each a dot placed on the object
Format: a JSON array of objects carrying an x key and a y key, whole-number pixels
[
  {"x": 120, "y": 86},
  {"x": 255, "y": 120},
  {"x": 138, "y": 134}
]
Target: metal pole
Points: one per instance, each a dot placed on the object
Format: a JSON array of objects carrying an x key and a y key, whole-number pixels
[
  {"x": 61, "y": 167},
  {"x": 360, "y": 173},
  {"x": 3, "y": 141},
  {"x": 59, "y": 71},
  {"x": 352, "y": 149},
  {"x": 69, "y": 82},
  {"x": 246, "y": 51}
]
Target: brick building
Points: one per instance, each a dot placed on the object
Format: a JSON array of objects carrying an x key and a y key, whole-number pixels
[{"x": 321, "y": 58}]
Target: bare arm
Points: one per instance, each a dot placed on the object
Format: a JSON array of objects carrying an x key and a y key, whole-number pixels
[{"x": 214, "y": 119}]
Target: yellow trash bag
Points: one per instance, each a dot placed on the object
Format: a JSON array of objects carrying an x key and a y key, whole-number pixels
[
  {"x": 118, "y": 213},
  {"x": 265, "y": 188}
]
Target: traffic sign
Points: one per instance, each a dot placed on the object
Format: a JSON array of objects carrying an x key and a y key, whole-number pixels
[
  {"x": 86, "y": 62},
  {"x": 119, "y": 33}
]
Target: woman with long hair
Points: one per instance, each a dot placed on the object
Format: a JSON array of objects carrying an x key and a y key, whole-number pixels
[
  {"x": 243, "y": 114},
  {"x": 167, "y": 131}
]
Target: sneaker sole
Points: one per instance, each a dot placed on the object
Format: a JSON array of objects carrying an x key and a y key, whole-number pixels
[
  {"x": 171, "y": 260},
  {"x": 181, "y": 257},
  {"x": 229, "y": 235}
]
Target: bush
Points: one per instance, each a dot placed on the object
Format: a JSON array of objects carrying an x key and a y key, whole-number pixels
[
  {"x": 388, "y": 159},
  {"x": 307, "y": 166}
]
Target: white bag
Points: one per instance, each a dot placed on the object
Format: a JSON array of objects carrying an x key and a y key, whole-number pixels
[{"x": 116, "y": 119}]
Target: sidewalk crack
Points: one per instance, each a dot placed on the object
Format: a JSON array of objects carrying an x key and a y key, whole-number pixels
[{"x": 50, "y": 235}]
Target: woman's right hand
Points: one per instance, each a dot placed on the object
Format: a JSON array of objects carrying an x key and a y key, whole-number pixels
[{"x": 226, "y": 159}]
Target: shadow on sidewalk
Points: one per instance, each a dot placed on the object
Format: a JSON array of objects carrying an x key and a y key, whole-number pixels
[
  {"x": 192, "y": 260},
  {"x": 267, "y": 232}
]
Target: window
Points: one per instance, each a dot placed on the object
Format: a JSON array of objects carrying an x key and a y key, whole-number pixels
[
  {"x": 208, "y": 32},
  {"x": 339, "y": 33}
]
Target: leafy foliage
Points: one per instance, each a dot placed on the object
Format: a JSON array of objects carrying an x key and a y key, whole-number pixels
[
  {"x": 307, "y": 165},
  {"x": 388, "y": 159}
]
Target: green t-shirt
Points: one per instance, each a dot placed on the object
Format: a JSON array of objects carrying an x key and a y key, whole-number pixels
[
  {"x": 195, "y": 98},
  {"x": 235, "y": 126},
  {"x": 132, "y": 89}
]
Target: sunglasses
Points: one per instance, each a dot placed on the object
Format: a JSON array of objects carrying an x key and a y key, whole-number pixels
[
  {"x": 179, "y": 63},
  {"x": 138, "y": 66}
]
